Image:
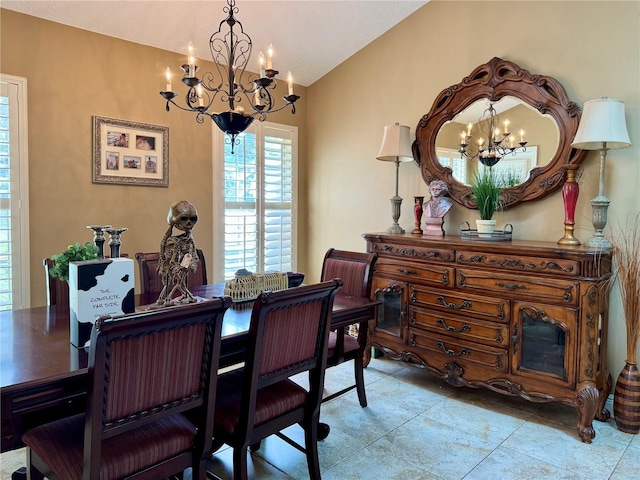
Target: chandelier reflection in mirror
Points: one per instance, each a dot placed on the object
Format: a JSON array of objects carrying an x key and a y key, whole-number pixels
[
  {"x": 230, "y": 50},
  {"x": 492, "y": 144}
]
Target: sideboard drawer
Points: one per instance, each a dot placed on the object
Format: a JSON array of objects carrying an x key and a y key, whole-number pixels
[
  {"x": 433, "y": 274},
  {"x": 432, "y": 254},
  {"x": 464, "y": 353},
  {"x": 490, "y": 333},
  {"x": 551, "y": 289},
  {"x": 462, "y": 303},
  {"x": 557, "y": 266}
]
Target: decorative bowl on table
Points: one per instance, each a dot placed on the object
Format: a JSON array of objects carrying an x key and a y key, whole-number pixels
[{"x": 295, "y": 279}]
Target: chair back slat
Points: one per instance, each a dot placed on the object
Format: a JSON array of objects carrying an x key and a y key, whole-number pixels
[
  {"x": 150, "y": 371},
  {"x": 145, "y": 366},
  {"x": 150, "y": 279},
  {"x": 286, "y": 349},
  {"x": 289, "y": 329},
  {"x": 57, "y": 290},
  {"x": 355, "y": 269}
]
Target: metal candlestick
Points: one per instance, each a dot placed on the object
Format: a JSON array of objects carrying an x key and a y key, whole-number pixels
[
  {"x": 98, "y": 237},
  {"x": 114, "y": 240}
]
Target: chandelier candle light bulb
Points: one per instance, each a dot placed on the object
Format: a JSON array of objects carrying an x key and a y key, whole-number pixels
[
  {"x": 191, "y": 61},
  {"x": 200, "y": 99},
  {"x": 290, "y": 83},
  {"x": 168, "y": 75},
  {"x": 263, "y": 74},
  {"x": 270, "y": 58}
]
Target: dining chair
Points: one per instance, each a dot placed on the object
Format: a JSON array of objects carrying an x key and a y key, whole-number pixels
[
  {"x": 151, "y": 281},
  {"x": 150, "y": 405},
  {"x": 288, "y": 334},
  {"x": 355, "y": 269},
  {"x": 57, "y": 290}
]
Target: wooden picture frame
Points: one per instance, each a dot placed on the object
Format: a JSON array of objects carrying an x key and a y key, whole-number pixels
[{"x": 130, "y": 153}]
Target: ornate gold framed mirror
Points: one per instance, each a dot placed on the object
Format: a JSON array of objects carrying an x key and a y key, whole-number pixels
[{"x": 538, "y": 102}]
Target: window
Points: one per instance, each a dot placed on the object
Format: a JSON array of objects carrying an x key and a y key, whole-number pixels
[
  {"x": 255, "y": 213},
  {"x": 451, "y": 158},
  {"x": 14, "y": 194}
]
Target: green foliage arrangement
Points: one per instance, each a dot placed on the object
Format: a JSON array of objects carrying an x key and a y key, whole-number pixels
[
  {"x": 73, "y": 253},
  {"x": 486, "y": 188}
]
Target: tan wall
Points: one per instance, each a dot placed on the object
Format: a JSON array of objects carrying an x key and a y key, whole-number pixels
[
  {"x": 72, "y": 75},
  {"x": 592, "y": 48}
]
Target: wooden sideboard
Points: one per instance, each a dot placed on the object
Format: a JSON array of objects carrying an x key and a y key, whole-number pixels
[{"x": 521, "y": 318}]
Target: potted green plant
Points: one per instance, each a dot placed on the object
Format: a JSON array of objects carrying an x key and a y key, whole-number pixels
[
  {"x": 486, "y": 189},
  {"x": 73, "y": 253}
]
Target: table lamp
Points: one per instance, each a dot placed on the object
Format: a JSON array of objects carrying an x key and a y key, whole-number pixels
[
  {"x": 602, "y": 127},
  {"x": 396, "y": 147}
]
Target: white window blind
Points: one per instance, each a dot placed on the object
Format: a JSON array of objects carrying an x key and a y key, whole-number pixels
[
  {"x": 451, "y": 158},
  {"x": 258, "y": 200},
  {"x": 14, "y": 195}
]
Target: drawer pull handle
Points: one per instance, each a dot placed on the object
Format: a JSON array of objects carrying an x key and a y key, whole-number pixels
[
  {"x": 464, "y": 304},
  {"x": 512, "y": 286},
  {"x": 451, "y": 353},
  {"x": 407, "y": 272},
  {"x": 465, "y": 327}
]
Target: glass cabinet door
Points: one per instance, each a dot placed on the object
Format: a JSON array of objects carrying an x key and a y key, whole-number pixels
[
  {"x": 392, "y": 313},
  {"x": 542, "y": 341}
]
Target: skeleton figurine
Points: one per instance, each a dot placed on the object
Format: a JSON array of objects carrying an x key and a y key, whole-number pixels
[{"x": 178, "y": 255}]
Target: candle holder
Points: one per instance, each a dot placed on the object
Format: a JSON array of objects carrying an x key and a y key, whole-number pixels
[
  {"x": 417, "y": 211},
  {"x": 570, "y": 191},
  {"x": 114, "y": 240},
  {"x": 98, "y": 237}
]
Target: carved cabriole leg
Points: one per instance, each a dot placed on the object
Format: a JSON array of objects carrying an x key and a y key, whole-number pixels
[
  {"x": 586, "y": 401},
  {"x": 603, "y": 414}
]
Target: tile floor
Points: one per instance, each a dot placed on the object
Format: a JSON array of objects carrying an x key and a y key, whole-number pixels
[{"x": 417, "y": 427}]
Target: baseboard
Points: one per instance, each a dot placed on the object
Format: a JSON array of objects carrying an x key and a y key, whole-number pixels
[{"x": 609, "y": 404}]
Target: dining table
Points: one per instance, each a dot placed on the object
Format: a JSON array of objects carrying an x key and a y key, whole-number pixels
[{"x": 44, "y": 377}]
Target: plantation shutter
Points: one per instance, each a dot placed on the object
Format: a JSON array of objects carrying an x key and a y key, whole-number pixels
[{"x": 258, "y": 191}]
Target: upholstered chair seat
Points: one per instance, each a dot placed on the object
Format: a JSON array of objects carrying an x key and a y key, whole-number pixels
[{"x": 60, "y": 445}]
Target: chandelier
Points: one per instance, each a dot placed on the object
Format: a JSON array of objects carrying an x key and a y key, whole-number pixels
[
  {"x": 230, "y": 50},
  {"x": 492, "y": 143}
]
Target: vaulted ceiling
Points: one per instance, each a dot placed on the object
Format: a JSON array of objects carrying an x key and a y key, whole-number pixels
[{"x": 309, "y": 37}]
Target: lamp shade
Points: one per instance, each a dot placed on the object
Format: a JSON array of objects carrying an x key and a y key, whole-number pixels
[
  {"x": 602, "y": 121},
  {"x": 396, "y": 145}
]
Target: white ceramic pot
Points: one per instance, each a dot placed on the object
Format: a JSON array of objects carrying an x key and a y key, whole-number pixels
[{"x": 485, "y": 227}]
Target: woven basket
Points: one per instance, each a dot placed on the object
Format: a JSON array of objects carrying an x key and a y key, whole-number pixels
[{"x": 248, "y": 287}]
